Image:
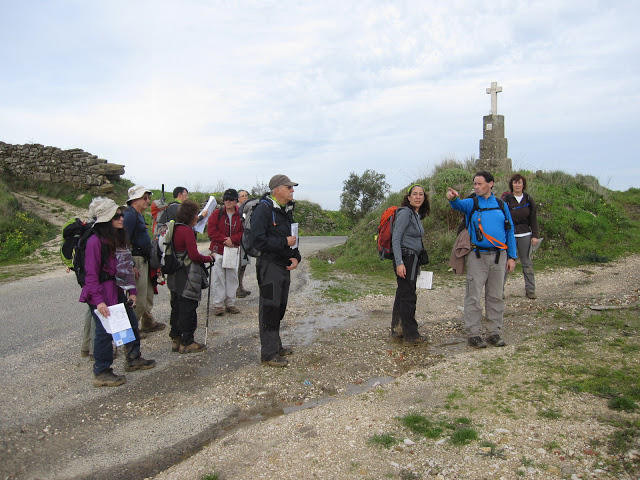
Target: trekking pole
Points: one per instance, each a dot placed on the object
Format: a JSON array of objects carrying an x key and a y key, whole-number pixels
[{"x": 206, "y": 328}]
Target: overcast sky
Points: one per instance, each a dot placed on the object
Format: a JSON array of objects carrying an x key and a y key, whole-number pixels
[{"x": 200, "y": 93}]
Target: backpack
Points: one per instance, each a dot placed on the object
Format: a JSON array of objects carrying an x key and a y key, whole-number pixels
[
  {"x": 247, "y": 211},
  {"x": 480, "y": 232},
  {"x": 385, "y": 231},
  {"x": 71, "y": 233},
  {"x": 79, "y": 257},
  {"x": 169, "y": 262}
]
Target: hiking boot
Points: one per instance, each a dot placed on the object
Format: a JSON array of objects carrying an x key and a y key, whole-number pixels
[
  {"x": 107, "y": 378},
  {"x": 233, "y": 309},
  {"x": 276, "y": 361},
  {"x": 142, "y": 335},
  {"x": 153, "y": 327},
  {"x": 285, "y": 351},
  {"x": 477, "y": 342},
  {"x": 414, "y": 341},
  {"x": 496, "y": 340},
  {"x": 531, "y": 295},
  {"x": 241, "y": 293},
  {"x": 175, "y": 344},
  {"x": 194, "y": 347},
  {"x": 139, "y": 364},
  {"x": 84, "y": 353},
  {"x": 218, "y": 311}
]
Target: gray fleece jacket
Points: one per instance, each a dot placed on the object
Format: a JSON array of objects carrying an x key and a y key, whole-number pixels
[{"x": 407, "y": 233}]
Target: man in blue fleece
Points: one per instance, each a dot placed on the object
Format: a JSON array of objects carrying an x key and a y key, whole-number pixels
[{"x": 493, "y": 250}]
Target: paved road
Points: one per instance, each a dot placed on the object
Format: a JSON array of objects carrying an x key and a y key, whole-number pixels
[{"x": 54, "y": 424}]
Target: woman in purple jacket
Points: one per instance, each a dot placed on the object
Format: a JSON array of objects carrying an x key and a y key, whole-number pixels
[{"x": 100, "y": 291}]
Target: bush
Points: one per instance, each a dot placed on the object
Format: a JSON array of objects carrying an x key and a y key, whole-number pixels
[{"x": 20, "y": 232}]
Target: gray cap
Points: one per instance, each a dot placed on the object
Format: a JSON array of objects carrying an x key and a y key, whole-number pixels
[
  {"x": 136, "y": 192},
  {"x": 278, "y": 180},
  {"x": 102, "y": 209}
]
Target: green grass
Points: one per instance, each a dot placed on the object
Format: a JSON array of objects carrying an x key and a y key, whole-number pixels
[
  {"x": 460, "y": 430},
  {"x": 211, "y": 476},
  {"x": 385, "y": 440},
  {"x": 20, "y": 232}
]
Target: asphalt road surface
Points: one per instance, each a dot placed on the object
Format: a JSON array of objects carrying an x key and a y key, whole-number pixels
[{"x": 55, "y": 424}]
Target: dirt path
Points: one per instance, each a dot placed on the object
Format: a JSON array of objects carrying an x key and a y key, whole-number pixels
[{"x": 222, "y": 412}]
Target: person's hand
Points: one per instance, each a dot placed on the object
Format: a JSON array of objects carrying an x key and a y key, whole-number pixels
[
  {"x": 511, "y": 265},
  {"x": 535, "y": 241},
  {"x": 291, "y": 240},
  {"x": 294, "y": 264},
  {"x": 204, "y": 213},
  {"x": 228, "y": 242},
  {"x": 401, "y": 271},
  {"x": 451, "y": 193},
  {"x": 136, "y": 272},
  {"x": 103, "y": 309},
  {"x": 133, "y": 299}
]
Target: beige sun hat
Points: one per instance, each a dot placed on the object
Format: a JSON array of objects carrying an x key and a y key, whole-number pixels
[
  {"x": 136, "y": 192},
  {"x": 102, "y": 209}
]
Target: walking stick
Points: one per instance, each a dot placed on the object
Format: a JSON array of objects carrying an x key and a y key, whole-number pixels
[{"x": 206, "y": 328}]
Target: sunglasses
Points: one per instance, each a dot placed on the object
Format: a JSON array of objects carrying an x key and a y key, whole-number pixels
[{"x": 118, "y": 215}]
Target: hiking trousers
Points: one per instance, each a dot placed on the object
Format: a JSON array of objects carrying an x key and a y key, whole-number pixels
[
  {"x": 144, "y": 297},
  {"x": 183, "y": 319},
  {"x": 224, "y": 284},
  {"x": 88, "y": 332},
  {"x": 524, "y": 254},
  {"x": 273, "y": 281},
  {"x": 485, "y": 278},
  {"x": 403, "y": 318},
  {"x": 102, "y": 341}
]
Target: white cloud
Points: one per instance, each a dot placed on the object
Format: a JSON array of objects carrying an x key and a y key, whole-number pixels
[{"x": 238, "y": 91}]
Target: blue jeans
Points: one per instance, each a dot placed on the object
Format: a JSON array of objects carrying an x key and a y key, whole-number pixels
[{"x": 102, "y": 348}]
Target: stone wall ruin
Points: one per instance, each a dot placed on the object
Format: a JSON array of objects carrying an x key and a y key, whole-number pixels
[{"x": 74, "y": 167}]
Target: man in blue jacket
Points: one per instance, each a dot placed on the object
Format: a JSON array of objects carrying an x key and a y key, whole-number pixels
[
  {"x": 138, "y": 201},
  {"x": 493, "y": 250},
  {"x": 271, "y": 235}
]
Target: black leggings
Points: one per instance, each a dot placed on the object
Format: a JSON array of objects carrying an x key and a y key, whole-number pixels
[{"x": 403, "y": 318}]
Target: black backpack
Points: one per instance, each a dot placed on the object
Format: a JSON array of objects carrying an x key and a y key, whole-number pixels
[
  {"x": 79, "y": 258},
  {"x": 476, "y": 208},
  {"x": 71, "y": 233},
  {"x": 247, "y": 211}
]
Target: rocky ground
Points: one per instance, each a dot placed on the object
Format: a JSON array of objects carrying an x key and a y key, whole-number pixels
[{"x": 344, "y": 397}]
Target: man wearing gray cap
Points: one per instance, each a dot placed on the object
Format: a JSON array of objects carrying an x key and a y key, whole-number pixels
[
  {"x": 271, "y": 235},
  {"x": 138, "y": 201}
]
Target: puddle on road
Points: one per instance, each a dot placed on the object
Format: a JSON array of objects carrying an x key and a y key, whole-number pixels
[
  {"x": 350, "y": 390},
  {"x": 309, "y": 327}
]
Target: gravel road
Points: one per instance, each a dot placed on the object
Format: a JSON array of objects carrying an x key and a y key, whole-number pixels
[{"x": 56, "y": 425}]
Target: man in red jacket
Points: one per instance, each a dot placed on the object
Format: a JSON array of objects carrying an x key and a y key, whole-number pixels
[{"x": 225, "y": 230}]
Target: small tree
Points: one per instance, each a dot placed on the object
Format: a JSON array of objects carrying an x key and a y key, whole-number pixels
[
  {"x": 361, "y": 194},
  {"x": 259, "y": 189}
]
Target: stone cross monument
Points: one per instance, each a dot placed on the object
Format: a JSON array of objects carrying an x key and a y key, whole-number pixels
[{"x": 493, "y": 146}]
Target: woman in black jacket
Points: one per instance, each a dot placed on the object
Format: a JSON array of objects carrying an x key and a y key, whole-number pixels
[{"x": 523, "y": 213}]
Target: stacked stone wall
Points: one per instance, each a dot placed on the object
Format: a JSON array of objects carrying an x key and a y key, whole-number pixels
[{"x": 73, "y": 167}]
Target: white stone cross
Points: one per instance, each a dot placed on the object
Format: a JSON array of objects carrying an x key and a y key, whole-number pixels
[{"x": 493, "y": 91}]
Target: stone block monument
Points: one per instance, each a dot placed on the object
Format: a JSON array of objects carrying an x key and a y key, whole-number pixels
[{"x": 493, "y": 146}]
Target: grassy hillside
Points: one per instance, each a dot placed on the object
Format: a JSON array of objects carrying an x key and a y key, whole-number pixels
[
  {"x": 580, "y": 221},
  {"x": 20, "y": 232}
]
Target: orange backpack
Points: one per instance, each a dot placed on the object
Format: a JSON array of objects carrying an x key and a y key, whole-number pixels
[{"x": 385, "y": 229}]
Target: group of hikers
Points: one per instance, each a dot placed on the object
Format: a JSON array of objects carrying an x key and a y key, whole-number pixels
[{"x": 117, "y": 264}]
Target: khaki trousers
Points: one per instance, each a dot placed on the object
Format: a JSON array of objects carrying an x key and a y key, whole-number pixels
[
  {"x": 144, "y": 295},
  {"x": 483, "y": 274}
]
